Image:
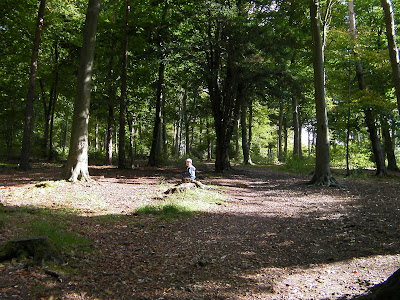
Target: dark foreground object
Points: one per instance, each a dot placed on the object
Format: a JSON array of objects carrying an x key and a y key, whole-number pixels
[
  {"x": 37, "y": 248},
  {"x": 387, "y": 290}
]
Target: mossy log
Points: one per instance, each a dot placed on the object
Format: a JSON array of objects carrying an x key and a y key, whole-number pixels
[
  {"x": 38, "y": 248},
  {"x": 387, "y": 290}
]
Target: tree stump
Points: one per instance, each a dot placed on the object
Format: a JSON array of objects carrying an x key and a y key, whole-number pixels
[
  {"x": 186, "y": 185},
  {"x": 38, "y": 248},
  {"x": 387, "y": 290}
]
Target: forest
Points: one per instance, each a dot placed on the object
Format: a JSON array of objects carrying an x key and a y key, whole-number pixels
[
  {"x": 216, "y": 80},
  {"x": 102, "y": 101}
]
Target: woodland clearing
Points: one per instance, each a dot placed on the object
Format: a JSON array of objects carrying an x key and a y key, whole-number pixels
[{"x": 271, "y": 237}]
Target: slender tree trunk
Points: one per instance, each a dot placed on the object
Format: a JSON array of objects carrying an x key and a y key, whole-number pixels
[
  {"x": 209, "y": 146},
  {"x": 392, "y": 47},
  {"x": 164, "y": 130},
  {"x": 368, "y": 111},
  {"x": 185, "y": 121},
  {"x": 156, "y": 146},
  {"x": 65, "y": 133},
  {"x": 109, "y": 137},
  {"x": 77, "y": 163},
  {"x": 280, "y": 127},
  {"x": 243, "y": 122},
  {"x": 388, "y": 146},
  {"x": 122, "y": 103},
  {"x": 53, "y": 100},
  {"x": 96, "y": 137},
  {"x": 285, "y": 137},
  {"x": 131, "y": 124},
  {"x": 250, "y": 139},
  {"x": 26, "y": 140},
  {"x": 46, "y": 110},
  {"x": 111, "y": 95},
  {"x": 296, "y": 129},
  {"x": 322, "y": 175}
]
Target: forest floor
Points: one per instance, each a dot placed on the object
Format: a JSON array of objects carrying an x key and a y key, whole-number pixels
[{"x": 273, "y": 236}]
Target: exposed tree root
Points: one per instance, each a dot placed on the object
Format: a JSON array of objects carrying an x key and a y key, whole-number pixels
[{"x": 325, "y": 180}]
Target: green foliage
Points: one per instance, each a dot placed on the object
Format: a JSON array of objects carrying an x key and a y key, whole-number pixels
[
  {"x": 299, "y": 165},
  {"x": 272, "y": 41}
]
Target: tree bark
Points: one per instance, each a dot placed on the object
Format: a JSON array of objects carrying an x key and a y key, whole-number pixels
[
  {"x": 388, "y": 145},
  {"x": 122, "y": 103},
  {"x": 46, "y": 111},
  {"x": 322, "y": 175},
  {"x": 185, "y": 121},
  {"x": 111, "y": 101},
  {"x": 156, "y": 144},
  {"x": 243, "y": 122},
  {"x": 368, "y": 111},
  {"x": 296, "y": 129},
  {"x": 392, "y": 47},
  {"x": 26, "y": 139},
  {"x": 280, "y": 127},
  {"x": 77, "y": 162}
]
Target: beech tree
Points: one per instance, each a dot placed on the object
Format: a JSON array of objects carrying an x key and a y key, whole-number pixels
[
  {"x": 156, "y": 145},
  {"x": 26, "y": 141},
  {"x": 122, "y": 102},
  {"x": 368, "y": 110},
  {"x": 322, "y": 175},
  {"x": 77, "y": 163},
  {"x": 392, "y": 46}
]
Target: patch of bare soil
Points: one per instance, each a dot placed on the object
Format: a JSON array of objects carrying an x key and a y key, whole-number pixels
[{"x": 274, "y": 238}]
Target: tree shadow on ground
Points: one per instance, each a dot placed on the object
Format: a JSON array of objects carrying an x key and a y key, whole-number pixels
[{"x": 282, "y": 227}]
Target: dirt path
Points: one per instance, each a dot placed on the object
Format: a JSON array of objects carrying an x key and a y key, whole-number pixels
[{"x": 274, "y": 238}]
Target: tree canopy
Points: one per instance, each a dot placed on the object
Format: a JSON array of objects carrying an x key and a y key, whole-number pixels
[{"x": 205, "y": 79}]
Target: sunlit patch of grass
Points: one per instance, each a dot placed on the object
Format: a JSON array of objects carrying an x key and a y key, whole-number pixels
[{"x": 183, "y": 204}]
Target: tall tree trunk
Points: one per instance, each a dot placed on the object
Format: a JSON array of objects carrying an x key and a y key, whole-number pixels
[
  {"x": 111, "y": 95},
  {"x": 388, "y": 145},
  {"x": 164, "y": 137},
  {"x": 243, "y": 122},
  {"x": 223, "y": 99},
  {"x": 280, "y": 129},
  {"x": 109, "y": 137},
  {"x": 186, "y": 121},
  {"x": 155, "y": 151},
  {"x": 285, "y": 137},
  {"x": 53, "y": 99},
  {"x": 392, "y": 47},
  {"x": 122, "y": 103},
  {"x": 296, "y": 127},
  {"x": 209, "y": 144},
  {"x": 65, "y": 137},
  {"x": 131, "y": 123},
  {"x": 77, "y": 162},
  {"x": 26, "y": 140},
  {"x": 368, "y": 111},
  {"x": 46, "y": 110},
  {"x": 322, "y": 175}
]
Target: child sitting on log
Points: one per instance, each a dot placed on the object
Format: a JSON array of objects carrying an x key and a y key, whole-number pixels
[{"x": 190, "y": 174}]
